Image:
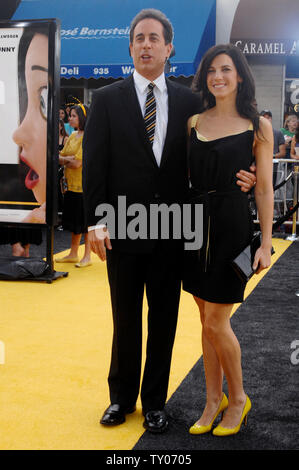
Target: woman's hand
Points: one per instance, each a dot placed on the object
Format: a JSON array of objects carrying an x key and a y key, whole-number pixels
[
  {"x": 262, "y": 259},
  {"x": 66, "y": 160}
]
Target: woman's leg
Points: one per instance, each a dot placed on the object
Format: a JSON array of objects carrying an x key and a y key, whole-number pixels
[
  {"x": 18, "y": 249},
  {"x": 26, "y": 250},
  {"x": 213, "y": 372},
  {"x": 87, "y": 249},
  {"x": 218, "y": 331},
  {"x": 75, "y": 242}
]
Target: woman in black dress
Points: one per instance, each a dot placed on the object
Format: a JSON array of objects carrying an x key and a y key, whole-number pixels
[{"x": 225, "y": 137}]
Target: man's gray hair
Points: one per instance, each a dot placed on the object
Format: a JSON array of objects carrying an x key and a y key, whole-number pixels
[{"x": 156, "y": 15}]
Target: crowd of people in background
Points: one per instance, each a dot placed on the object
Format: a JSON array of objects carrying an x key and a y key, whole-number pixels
[
  {"x": 289, "y": 131},
  {"x": 286, "y": 139}
]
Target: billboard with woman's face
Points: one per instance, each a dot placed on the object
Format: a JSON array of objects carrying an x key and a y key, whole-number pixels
[{"x": 27, "y": 131}]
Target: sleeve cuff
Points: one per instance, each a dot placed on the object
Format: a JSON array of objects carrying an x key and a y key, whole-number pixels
[{"x": 93, "y": 227}]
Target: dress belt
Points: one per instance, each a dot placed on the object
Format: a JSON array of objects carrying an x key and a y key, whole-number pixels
[{"x": 204, "y": 197}]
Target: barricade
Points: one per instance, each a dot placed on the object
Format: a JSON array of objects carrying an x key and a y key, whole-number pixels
[
  {"x": 285, "y": 184},
  {"x": 293, "y": 236}
]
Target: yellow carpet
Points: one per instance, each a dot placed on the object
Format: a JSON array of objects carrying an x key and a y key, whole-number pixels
[{"x": 57, "y": 342}]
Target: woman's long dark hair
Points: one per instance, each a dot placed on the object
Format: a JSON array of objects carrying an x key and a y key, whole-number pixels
[
  {"x": 297, "y": 134},
  {"x": 62, "y": 130},
  {"x": 245, "y": 101}
]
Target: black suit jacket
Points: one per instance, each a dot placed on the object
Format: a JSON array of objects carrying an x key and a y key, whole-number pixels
[{"x": 118, "y": 159}]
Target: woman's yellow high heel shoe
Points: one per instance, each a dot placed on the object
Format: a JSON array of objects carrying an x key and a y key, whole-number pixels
[
  {"x": 221, "y": 431},
  {"x": 200, "y": 429}
]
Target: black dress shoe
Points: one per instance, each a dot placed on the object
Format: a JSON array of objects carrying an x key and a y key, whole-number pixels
[
  {"x": 116, "y": 414},
  {"x": 156, "y": 421}
]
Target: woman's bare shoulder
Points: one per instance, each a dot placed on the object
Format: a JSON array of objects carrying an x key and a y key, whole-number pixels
[{"x": 265, "y": 129}]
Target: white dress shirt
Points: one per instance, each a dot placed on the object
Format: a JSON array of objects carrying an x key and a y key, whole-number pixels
[{"x": 161, "y": 96}]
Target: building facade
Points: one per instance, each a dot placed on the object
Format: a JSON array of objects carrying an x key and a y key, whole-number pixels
[{"x": 267, "y": 32}]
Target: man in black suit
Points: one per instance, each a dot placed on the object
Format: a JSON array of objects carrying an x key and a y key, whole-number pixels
[{"x": 120, "y": 160}]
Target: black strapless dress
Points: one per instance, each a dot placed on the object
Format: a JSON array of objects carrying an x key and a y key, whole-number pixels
[{"x": 228, "y": 225}]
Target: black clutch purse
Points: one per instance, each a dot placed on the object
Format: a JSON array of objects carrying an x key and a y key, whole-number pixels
[{"x": 242, "y": 264}]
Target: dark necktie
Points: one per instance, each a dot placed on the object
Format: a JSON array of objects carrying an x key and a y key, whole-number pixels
[{"x": 150, "y": 113}]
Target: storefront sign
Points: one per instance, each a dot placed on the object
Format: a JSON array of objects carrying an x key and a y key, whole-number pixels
[
  {"x": 84, "y": 32},
  {"x": 267, "y": 47},
  {"x": 121, "y": 70},
  {"x": 95, "y": 33}
]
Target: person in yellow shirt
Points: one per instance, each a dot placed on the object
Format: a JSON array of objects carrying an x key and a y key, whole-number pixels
[{"x": 73, "y": 213}]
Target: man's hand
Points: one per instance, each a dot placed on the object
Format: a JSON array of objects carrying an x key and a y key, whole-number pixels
[
  {"x": 99, "y": 240},
  {"x": 247, "y": 179}
]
